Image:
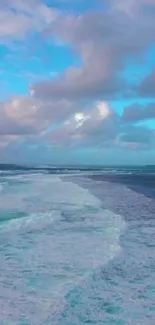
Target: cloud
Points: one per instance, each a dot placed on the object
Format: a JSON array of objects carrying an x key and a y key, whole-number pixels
[
  {"x": 10, "y": 126},
  {"x": 62, "y": 123},
  {"x": 90, "y": 127},
  {"x": 19, "y": 116},
  {"x": 19, "y": 18},
  {"x": 132, "y": 6},
  {"x": 136, "y": 113},
  {"x": 73, "y": 108},
  {"x": 25, "y": 115},
  {"x": 136, "y": 138},
  {"x": 138, "y": 135},
  {"x": 147, "y": 86},
  {"x": 104, "y": 41}
]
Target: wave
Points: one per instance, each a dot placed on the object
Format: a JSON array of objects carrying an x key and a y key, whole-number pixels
[{"x": 61, "y": 236}]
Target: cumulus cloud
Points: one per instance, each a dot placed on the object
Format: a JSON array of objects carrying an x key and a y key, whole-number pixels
[
  {"x": 21, "y": 115},
  {"x": 136, "y": 113},
  {"x": 9, "y": 126},
  {"x": 19, "y": 18},
  {"x": 140, "y": 135},
  {"x": 92, "y": 127},
  {"x": 132, "y": 6},
  {"x": 73, "y": 108},
  {"x": 99, "y": 125},
  {"x": 5, "y": 140},
  {"x": 137, "y": 138},
  {"x": 147, "y": 86},
  {"x": 104, "y": 41}
]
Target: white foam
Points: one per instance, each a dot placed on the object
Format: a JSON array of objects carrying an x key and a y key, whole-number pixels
[
  {"x": 47, "y": 191},
  {"x": 45, "y": 254}
]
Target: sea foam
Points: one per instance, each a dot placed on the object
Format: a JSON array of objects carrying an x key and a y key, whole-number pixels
[{"x": 61, "y": 235}]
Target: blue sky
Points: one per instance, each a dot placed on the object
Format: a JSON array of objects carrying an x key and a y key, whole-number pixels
[{"x": 77, "y": 77}]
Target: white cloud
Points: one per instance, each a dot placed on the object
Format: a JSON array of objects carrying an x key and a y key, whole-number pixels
[
  {"x": 93, "y": 125},
  {"x": 18, "y": 18}
]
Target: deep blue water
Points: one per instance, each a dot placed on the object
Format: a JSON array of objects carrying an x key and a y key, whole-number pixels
[{"x": 77, "y": 246}]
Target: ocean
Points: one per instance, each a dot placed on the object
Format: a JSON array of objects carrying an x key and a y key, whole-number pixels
[{"x": 77, "y": 245}]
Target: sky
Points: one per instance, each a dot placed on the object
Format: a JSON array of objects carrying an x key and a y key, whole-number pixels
[{"x": 77, "y": 81}]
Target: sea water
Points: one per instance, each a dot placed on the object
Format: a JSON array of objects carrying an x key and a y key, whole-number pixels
[
  {"x": 122, "y": 291},
  {"x": 55, "y": 237}
]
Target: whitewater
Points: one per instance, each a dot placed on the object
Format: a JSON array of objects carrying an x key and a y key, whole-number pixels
[{"x": 55, "y": 235}]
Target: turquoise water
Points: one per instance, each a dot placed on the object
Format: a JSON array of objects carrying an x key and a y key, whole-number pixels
[
  {"x": 53, "y": 236},
  {"x": 73, "y": 252}
]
